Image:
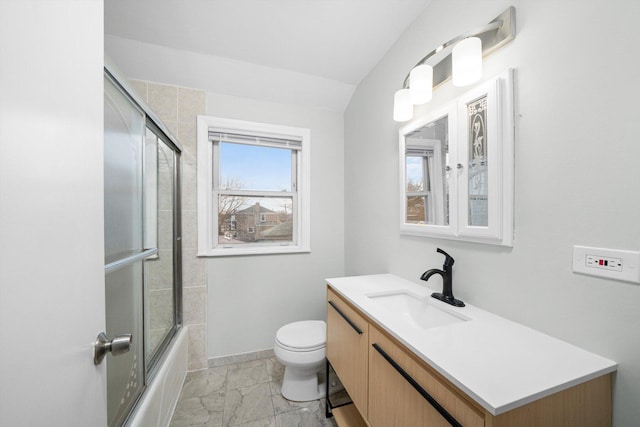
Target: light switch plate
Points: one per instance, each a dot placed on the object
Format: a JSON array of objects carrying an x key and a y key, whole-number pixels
[{"x": 610, "y": 263}]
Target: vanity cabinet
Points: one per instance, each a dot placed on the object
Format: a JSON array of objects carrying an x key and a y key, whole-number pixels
[
  {"x": 391, "y": 386},
  {"x": 395, "y": 401},
  {"x": 347, "y": 348}
]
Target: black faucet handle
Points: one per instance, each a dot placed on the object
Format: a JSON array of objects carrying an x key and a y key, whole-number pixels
[{"x": 448, "y": 260}]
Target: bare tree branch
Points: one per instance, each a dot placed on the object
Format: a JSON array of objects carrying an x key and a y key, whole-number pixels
[{"x": 228, "y": 204}]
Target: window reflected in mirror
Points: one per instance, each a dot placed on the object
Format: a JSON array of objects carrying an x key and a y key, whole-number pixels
[{"x": 426, "y": 176}]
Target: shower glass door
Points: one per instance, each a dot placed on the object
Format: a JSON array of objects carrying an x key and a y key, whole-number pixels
[
  {"x": 142, "y": 246},
  {"x": 161, "y": 271},
  {"x": 124, "y": 126}
]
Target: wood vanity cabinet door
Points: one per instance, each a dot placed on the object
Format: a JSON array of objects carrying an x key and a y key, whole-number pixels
[
  {"x": 394, "y": 402},
  {"x": 347, "y": 349}
]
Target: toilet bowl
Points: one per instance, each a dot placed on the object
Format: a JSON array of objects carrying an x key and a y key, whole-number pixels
[{"x": 300, "y": 347}]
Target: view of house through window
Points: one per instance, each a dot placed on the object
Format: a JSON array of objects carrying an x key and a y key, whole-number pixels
[
  {"x": 256, "y": 193},
  {"x": 253, "y": 188}
]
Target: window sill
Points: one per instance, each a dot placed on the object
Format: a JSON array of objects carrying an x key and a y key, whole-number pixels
[{"x": 271, "y": 250}]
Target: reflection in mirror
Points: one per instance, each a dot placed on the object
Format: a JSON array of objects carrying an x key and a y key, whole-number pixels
[
  {"x": 478, "y": 172},
  {"x": 426, "y": 178}
]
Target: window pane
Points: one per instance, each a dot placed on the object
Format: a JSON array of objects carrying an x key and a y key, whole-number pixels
[
  {"x": 415, "y": 174},
  {"x": 416, "y": 213},
  {"x": 251, "y": 167},
  {"x": 244, "y": 220}
]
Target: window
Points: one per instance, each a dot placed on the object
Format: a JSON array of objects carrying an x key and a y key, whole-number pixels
[
  {"x": 425, "y": 161},
  {"x": 253, "y": 188}
]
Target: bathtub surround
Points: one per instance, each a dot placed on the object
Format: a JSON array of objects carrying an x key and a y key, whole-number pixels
[
  {"x": 178, "y": 107},
  {"x": 160, "y": 398}
]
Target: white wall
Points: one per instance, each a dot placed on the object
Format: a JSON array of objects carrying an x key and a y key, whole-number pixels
[
  {"x": 250, "y": 297},
  {"x": 51, "y": 213},
  {"x": 577, "y": 174}
]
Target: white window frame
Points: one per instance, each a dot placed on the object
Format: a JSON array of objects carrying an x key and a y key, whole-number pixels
[{"x": 208, "y": 200}]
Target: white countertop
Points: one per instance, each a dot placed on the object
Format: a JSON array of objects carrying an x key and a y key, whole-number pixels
[{"x": 499, "y": 363}]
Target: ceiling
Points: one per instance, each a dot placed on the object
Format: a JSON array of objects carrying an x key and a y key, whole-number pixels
[{"x": 340, "y": 40}]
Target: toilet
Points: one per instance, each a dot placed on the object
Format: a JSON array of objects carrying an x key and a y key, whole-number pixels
[{"x": 301, "y": 348}]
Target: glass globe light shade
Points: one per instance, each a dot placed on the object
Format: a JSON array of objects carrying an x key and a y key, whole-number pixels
[
  {"x": 402, "y": 106},
  {"x": 466, "y": 59},
  {"x": 421, "y": 84}
]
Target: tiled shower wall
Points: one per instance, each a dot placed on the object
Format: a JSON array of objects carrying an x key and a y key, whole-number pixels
[{"x": 178, "y": 107}]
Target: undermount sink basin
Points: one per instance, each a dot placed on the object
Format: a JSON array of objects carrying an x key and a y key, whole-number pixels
[{"x": 417, "y": 310}]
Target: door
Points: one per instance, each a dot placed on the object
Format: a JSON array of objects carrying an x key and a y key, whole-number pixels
[{"x": 51, "y": 213}]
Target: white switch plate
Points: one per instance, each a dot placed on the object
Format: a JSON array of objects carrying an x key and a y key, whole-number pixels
[{"x": 610, "y": 263}]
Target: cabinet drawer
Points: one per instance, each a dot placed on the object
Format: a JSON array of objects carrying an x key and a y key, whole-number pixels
[
  {"x": 347, "y": 348},
  {"x": 393, "y": 400}
]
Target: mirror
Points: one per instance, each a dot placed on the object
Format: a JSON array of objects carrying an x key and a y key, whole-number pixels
[{"x": 426, "y": 175}]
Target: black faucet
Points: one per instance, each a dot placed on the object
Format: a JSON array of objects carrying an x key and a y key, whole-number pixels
[{"x": 447, "y": 278}]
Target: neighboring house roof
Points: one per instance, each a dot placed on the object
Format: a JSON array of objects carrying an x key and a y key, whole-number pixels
[
  {"x": 252, "y": 209},
  {"x": 284, "y": 229}
]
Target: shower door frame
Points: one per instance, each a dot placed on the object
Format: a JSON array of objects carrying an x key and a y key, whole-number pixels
[{"x": 154, "y": 124}]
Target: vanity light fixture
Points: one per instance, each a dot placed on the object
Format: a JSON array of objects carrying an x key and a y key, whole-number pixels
[{"x": 463, "y": 62}]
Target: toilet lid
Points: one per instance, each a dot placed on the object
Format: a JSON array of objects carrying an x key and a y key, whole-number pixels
[{"x": 304, "y": 335}]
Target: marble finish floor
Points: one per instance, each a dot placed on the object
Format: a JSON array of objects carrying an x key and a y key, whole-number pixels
[{"x": 244, "y": 394}]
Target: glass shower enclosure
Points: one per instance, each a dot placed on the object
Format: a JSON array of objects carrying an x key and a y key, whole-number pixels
[{"x": 142, "y": 245}]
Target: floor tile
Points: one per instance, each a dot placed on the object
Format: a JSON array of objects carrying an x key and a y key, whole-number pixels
[
  {"x": 206, "y": 410},
  {"x": 204, "y": 382},
  {"x": 247, "y": 404},
  {"x": 245, "y": 394},
  {"x": 247, "y": 374},
  {"x": 302, "y": 418},
  {"x": 274, "y": 368},
  {"x": 266, "y": 422},
  {"x": 282, "y": 405}
]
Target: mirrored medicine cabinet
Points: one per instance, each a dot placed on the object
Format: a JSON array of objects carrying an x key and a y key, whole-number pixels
[{"x": 456, "y": 168}]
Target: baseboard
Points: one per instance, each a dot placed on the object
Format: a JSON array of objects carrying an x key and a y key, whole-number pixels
[{"x": 239, "y": 358}]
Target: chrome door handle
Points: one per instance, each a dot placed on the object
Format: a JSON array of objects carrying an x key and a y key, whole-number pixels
[{"x": 119, "y": 345}]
